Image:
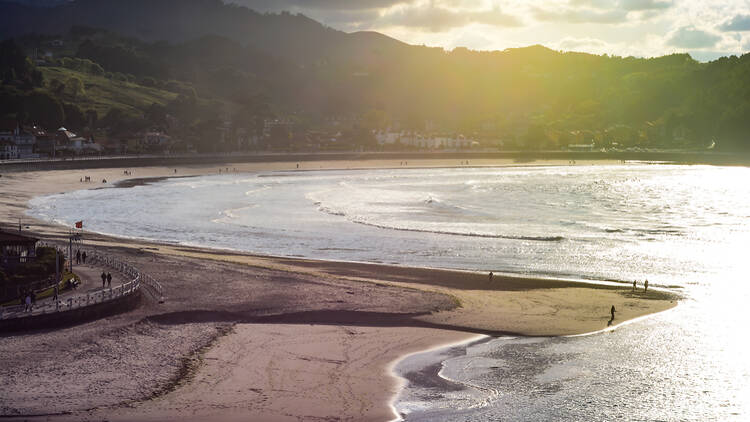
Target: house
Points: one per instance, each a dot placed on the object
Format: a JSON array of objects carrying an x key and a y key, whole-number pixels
[
  {"x": 45, "y": 142},
  {"x": 25, "y": 141},
  {"x": 155, "y": 140},
  {"x": 71, "y": 143},
  {"x": 8, "y": 150},
  {"x": 387, "y": 137},
  {"x": 16, "y": 248}
]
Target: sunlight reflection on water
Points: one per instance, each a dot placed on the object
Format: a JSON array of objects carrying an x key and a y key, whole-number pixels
[{"x": 687, "y": 227}]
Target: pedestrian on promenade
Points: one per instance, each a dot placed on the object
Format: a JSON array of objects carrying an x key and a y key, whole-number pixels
[
  {"x": 104, "y": 278},
  {"x": 633, "y": 285},
  {"x": 27, "y": 301},
  {"x": 78, "y": 256},
  {"x": 83, "y": 257},
  {"x": 645, "y": 285},
  {"x": 55, "y": 295},
  {"x": 109, "y": 280}
]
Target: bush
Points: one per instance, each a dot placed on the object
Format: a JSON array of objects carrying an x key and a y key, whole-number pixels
[{"x": 37, "y": 269}]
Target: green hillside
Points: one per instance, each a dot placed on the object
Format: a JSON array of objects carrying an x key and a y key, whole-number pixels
[{"x": 101, "y": 94}]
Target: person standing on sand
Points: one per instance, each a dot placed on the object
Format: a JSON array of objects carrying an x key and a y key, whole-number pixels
[
  {"x": 633, "y": 285},
  {"x": 490, "y": 275},
  {"x": 612, "y": 311},
  {"x": 104, "y": 278},
  {"x": 109, "y": 280},
  {"x": 645, "y": 286}
]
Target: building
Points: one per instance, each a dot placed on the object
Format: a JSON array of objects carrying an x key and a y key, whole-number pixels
[
  {"x": 8, "y": 150},
  {"x": 16, "y": 248},
  {"x": 24, "y": 140}
]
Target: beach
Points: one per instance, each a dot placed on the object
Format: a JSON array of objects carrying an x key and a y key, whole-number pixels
[{"x": 264, "y": 337}]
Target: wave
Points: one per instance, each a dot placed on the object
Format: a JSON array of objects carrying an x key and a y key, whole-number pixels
[{"x": 446, "y": 232}]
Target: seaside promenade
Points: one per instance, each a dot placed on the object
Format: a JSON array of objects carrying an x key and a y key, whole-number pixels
[{"x": 88, "y": 293}]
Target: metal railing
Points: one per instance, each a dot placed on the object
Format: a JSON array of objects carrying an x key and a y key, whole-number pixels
[
  {"x": 137, "y": 281},
  {"x": 153, "y": 287}
]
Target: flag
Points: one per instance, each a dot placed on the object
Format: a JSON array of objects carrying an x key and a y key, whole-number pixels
[{"x": 79, "y": 224}]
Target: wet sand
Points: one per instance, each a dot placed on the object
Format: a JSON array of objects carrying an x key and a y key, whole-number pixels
[{"x": 243, "y": 336}]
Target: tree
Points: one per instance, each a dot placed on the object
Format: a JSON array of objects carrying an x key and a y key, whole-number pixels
[
  {"x": 16, "y": 68},
  {"x": 74, "y": 88},
  {"x": 74, "y": 117},
  {"x": 42, "y": 108}
]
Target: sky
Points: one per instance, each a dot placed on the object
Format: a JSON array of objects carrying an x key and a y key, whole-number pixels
[{"x": 707, "y": 29}]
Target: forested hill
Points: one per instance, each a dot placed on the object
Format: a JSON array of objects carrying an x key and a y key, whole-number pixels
[
  {"x": 293, "y": 37},
  {"x": 285, "y": 65}
]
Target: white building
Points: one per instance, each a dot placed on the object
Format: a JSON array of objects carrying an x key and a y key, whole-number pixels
[{"x": 8, "y": 150}]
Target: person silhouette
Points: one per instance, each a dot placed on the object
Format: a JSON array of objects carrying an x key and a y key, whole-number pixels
[{"x": 612, "y": 311}]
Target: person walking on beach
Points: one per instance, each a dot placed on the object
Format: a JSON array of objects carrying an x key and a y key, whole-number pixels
[
  {"x": 633, "y": 285},
  {"x": 645, "y": 286},
  {"x": 612, "y": 311},
  {"x": 83, "y": 257},
  {"x": 490, "y": 275},
  {"x": 104, "y": 278},
  {"x": 109, "y": 280}
]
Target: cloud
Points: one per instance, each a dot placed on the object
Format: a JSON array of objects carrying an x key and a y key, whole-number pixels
[
  {"x": 641, "y": 5},
  {"x": 582, "y": 44},
  {"x": 737, "y": 23},
  {"x": 602, "y": 11},
  {"x": 579, "y": 15},
  {"x": 692, "y": 37},
  {"x": 436, "y": 19},
  {"x": 335, "y": 5}
]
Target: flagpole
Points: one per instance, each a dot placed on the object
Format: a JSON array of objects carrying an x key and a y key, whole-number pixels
[{"x": 70, "y": 250}]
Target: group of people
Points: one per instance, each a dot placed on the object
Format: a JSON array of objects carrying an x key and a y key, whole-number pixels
[
  {"x": 645, "y": 285},
  {"x": 80, "y": 257},
  {"x": 106, "y": 279}
]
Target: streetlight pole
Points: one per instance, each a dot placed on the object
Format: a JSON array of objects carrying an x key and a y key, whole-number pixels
[{"x": 73, "y": 236}]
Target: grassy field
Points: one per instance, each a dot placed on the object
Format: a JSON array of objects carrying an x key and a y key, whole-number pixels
[{"x": 102, "y": 94}]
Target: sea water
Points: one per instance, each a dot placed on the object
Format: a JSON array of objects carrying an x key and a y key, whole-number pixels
[{"x": 685, "y": 228}]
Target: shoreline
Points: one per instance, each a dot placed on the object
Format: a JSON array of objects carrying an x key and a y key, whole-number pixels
[{"x": 386, "y": 299}]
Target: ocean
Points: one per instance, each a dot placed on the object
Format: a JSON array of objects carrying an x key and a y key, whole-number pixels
[{"x": 684, "y": 228}]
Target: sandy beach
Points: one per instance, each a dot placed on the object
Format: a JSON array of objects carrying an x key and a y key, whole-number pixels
[{"x": 253, "y": 337}]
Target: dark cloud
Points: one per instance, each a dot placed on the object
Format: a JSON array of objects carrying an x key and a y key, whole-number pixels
[
  {"x": 435, "y": 19},
  {"x": 691, "y": 37},
  {"x": 737, "y": 23},
  {"x": 334, "y": 5}
]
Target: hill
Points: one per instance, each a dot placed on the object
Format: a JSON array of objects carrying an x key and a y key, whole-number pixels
[
  {"x": 289, "y": 66},
  {"x": 101, "y": 94}
]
